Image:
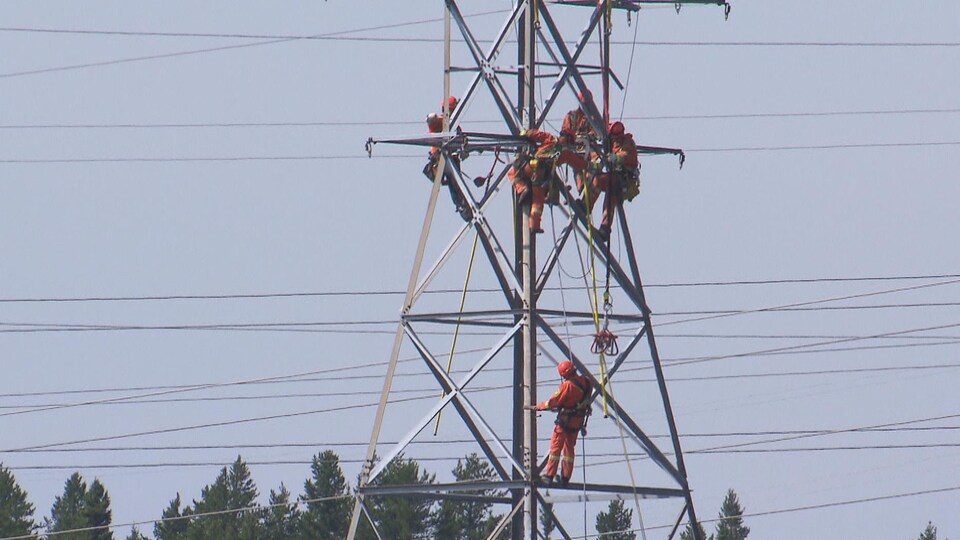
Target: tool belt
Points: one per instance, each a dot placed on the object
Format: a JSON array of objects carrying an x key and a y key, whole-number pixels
[
  {"x": 630, "y": 183},
  {"x": 543, "y": 171},
  {"x": 430, "y": 169},
  {"x": 566, "y": 419}
]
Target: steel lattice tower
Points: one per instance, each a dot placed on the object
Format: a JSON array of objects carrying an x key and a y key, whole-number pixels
[{"x": 525, "y": 325}]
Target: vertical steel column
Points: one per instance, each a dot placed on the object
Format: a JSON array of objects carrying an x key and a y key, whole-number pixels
[
  {"x": 528, "y": 269},
  {"x": 519, "y": 391}
]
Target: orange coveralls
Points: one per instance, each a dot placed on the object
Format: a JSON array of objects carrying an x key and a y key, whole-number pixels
[
  {"x": 568, "y": 424},
  {"x": 624, "y": 155},
  {"x": 576, "y": 124},
  {"x": 536, "y": 178}
]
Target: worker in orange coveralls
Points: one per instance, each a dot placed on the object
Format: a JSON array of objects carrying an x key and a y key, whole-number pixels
[
  {"x": 576, "y": 123},
  {"x": 621, "y": 181},
  {"x": 572, "y": 403},
  {"x": 532, "y": 176},
  {"x": 578, "y": 129},
  {"x": 435, "y": 125}
]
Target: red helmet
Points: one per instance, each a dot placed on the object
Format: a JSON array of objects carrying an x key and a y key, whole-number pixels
[
  {"x": 566, "y": 369},
  {"x": 617, "y": 129},
  {"x": 435, "y": 122},
  {"x": 450, "y": 103}
]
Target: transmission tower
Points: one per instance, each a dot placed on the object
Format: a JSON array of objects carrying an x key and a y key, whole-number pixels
[{"x": 527, "y": 319}]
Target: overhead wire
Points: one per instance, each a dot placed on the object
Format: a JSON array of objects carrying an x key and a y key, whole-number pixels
[
  {"x": 451, "y": 458},
  {"x": 15, "y": 327},
  {"x": 367, "y": 292},
  {"x": 434, "y": 442},
  {"x": 359, "y": 123},
  {"x": 700, "y": 378},
  {"x": 270, "y": 41},
  {"x": 338, "y": 36}
]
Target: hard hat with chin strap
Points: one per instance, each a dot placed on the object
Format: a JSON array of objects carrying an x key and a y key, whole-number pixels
[{"x": 566, "y": 369}]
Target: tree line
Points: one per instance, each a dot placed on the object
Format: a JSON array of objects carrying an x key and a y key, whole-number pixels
[{"x": 227, "y": 509}]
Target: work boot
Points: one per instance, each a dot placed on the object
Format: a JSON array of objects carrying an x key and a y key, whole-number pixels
[
  {"x": 547, "y": 480},
  {"x": 564, "y": 480},
  {"x": 465, "y": 212}
]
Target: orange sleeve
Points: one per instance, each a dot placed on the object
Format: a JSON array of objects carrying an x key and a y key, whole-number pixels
[
  {"x": 565, "y": 396},
  {"x": 573, "y": 159}
]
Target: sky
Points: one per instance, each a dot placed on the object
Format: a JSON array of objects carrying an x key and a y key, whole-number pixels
[{"x": 185, "y": 200}]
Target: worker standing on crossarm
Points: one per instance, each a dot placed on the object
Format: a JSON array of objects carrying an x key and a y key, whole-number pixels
[
  {"x": 533, "y": 175},
  {"x": 435, "y": 125},
  {"x": 621, "y": 179},
  {"x": 572, "y": 403}
]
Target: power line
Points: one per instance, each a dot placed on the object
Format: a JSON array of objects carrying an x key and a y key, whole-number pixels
[
  {"x": 834, "y": 432},
  {"x": 420, "y": 122},
  {"x": 354, "y": 293},
  {"x": 225, "y": 47},
  {"x": 950, "y": 281},
  {"x": 349, "y": 407},
  {"x": 823, "y": 147},
  {"x": 338, "y": 326},
  {"x": 401, "y": 39},
  {"x": 429, "y": 442},
  {"x": 203, "y": 426},
  {"x": 911, "y": 367},
  {"x": 287, "y": 462}
]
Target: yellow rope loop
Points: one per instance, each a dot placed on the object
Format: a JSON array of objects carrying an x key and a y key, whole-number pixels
[{"x": 456, "y": 330}]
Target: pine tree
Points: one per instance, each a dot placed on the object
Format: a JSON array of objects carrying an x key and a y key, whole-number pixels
[
  {"x": 16, "y": 513},
  {"x": 616, "y": 518},
  {"x": 172, "y": 529},
  {"x": 687, "y": 534},
  {"x": 67, "y": 512},
  {"x": 81, "y": 508},
  {"x": 930, "y": 533},
  {"x": 281, "y": 520},
  {"x": 325, "y": 519},
  {"x": 232, "y": 490},
  {"x": 468, "y": 520},
  {"x": 400, "y": 518},
  {"x": 96, "y": 511},
  {"x": 730, "y": 526}
]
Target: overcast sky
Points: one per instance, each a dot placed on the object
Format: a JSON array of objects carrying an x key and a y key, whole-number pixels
[{"x": 141, "y": 159}]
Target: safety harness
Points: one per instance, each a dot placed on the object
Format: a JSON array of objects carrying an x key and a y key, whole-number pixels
[{"x": 581, "y": 409}]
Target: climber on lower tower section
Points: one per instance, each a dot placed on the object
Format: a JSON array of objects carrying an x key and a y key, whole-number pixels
[{"x": 572, "y": 403}]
